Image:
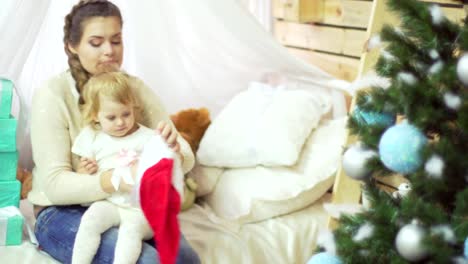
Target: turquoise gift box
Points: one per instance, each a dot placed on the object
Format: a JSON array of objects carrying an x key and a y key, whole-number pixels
[
  {"x": 10, "y": 193},
  {"x": 8, "y": 165},
  {"x": 11, "y": 226},
  {"x": 6, "y": 96},
  {"x": 8, "y": 134}
]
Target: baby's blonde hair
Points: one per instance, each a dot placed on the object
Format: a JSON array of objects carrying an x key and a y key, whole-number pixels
[{"x": 116, "y": 86}]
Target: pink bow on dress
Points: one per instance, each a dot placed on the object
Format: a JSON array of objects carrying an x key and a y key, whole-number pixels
[{"x": 124, "y": 160}]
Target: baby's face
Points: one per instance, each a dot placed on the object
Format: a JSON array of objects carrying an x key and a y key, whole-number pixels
[{"x": 116, "y": 119}]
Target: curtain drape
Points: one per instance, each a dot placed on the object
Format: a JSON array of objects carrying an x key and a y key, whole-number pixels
[
  {"x": 192, "y": 53},
  {"x": 261, "y": 10}
]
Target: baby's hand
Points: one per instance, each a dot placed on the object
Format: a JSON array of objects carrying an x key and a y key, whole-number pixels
[{"x": 88, "y": 165}]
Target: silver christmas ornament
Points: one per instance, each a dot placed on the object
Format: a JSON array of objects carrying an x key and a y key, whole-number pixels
[
  {"x": 409, "y": 242},
  {"x": 354, "y": 161},
  {"x": 462, "y": 69}
]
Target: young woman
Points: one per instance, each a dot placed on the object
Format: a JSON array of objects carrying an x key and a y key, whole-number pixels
[{"x": 93, "y": 43}]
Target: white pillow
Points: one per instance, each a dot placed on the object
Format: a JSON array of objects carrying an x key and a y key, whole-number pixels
[
  {"x": 254, "y": 194},
  {"x": 205, "y": 177},
  {"x": 261, "y": 126}
]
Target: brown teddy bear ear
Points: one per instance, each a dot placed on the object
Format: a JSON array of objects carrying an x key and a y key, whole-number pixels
[{"x": 204, "y": 111}]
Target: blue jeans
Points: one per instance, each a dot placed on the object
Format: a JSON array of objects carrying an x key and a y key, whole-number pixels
[{"x": 56, "y": 228}]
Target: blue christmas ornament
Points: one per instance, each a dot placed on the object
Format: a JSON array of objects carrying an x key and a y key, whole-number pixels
[
  {"x": 400, "y": 148},
  {"x": 466, "y": 248},
  {"x": 324, "y": 258},
  {"x": 373, "y": 118}
]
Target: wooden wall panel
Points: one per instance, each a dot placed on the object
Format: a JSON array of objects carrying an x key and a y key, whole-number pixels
[
  {"x": 321, "y": 37},
  {"x": 342, "y": 67},
  {"x": 347, "y": 13},
  {"x": 335, "y": 28}
]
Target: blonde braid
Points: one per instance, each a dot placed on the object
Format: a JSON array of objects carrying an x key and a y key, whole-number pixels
[{"x": 71, "y": 37}]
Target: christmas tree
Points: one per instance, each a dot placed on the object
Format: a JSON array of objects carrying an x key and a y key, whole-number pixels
[{"x": 425, "y": 60}]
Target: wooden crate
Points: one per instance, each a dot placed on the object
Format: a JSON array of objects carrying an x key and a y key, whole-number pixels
[
  {"x": 299, "y": 10},
  {"x": 349, "y": 13},
  {"x": 339, "y": 66},
  {"x": 324, "y": 38},
  {"x": 338, "y": 31}
]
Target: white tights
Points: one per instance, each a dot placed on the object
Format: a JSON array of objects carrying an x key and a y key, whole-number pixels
[{"x": 103, "y": 215}]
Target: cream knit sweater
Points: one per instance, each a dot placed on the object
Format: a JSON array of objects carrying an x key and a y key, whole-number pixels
[{"x": 55, "y": 122}]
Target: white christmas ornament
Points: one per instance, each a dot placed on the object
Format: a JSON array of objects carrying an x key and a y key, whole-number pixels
[
  {"x": 354, "y": 161},
  {"x": 399, "y": 31},
  {"x": 452, "y": 100},
  {"x": 446, "y": 232},
  {"x": 434, "y": 54},
  {"x": 407, "y": 78},
  {"x": 436, "y": 67},
  {"x": 462, "y": 69},
  {"x": 436, "y": 14},
  {"x": 387, "y": 55},
  {"x": 434, "y": 166},
  {"x": 420, "y": 66},
  {"x": 409, "y": 242},
  {"x": 374, "y": 42},
  {"x": 403, "y": 190},
  {"x": 364, "y": 232}
]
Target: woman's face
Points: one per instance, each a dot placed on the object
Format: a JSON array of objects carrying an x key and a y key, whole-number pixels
[{"x": 100, "y": 48}]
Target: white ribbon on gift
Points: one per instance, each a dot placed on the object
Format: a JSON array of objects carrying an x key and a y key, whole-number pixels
[
  {"x": 123, "y": 171},
  {"x": 5, "y": 213}
]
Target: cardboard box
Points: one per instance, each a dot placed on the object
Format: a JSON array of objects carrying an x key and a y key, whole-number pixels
[
  {"x": 11, "y": 226},
  {"x": 8, "y": 165},
  {"x": 6, "y": 96},
  {"x": 10, "y": 193},
  {"x": 8, "y": 134}
]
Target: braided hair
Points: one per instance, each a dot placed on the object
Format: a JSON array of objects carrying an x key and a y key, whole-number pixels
[{"x": 73, "y": 31}]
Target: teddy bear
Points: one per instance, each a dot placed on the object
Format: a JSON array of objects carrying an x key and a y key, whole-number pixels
[
  {"x": 25, "y": 177},
  {"x": 191, "y": 124}
]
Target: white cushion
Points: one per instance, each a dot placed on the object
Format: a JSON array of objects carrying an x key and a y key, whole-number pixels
[
  {"x": 205, "y": 177},
  {"x": 262, "y": 126},
  {"x": 254, "y": 194}
]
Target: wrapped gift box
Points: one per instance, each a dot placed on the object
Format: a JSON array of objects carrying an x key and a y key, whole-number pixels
[
  {"x": 11, "y": 226},
  {"x": 6, "y": 95},
  {"x": 10, "y": 193},
  {"x": 8, "y": 134},
  {"x": 8, "y": 165}
]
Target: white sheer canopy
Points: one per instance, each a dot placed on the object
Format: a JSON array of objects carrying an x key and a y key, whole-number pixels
[{"x": 192, "y": 53}]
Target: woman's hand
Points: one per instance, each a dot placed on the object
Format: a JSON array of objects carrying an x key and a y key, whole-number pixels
[
  {"x": 87, "y": 165},
  {"x": 169, "y": 134}
]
